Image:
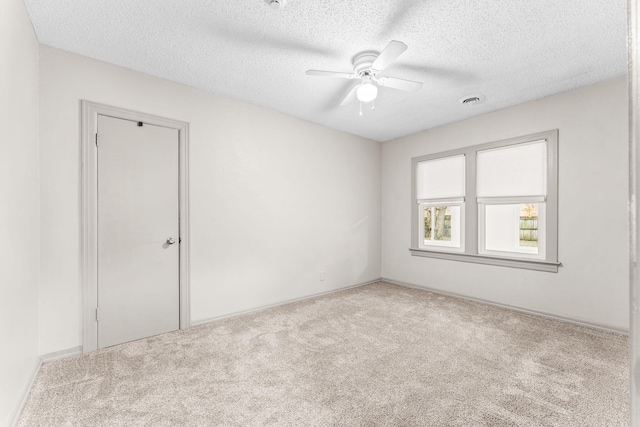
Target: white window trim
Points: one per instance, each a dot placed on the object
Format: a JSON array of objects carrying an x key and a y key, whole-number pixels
[{"x": 470, "y": 236}]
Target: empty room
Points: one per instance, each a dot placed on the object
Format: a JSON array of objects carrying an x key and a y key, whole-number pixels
[{"x": 319, "y": 213}]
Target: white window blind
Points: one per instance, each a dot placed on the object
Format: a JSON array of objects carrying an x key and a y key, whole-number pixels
[
  {"x": 440, "y": 178},
  {"x": 516, "y": 170}
]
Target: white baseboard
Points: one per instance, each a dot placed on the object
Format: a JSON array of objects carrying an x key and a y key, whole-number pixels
[
  {"x": 266, "y": 307},
  {"x": 61, "y": 354},
  {"x": 75, "y": 351},
  {"x": 591, "y": 325},
  {"x": 46, "y": 358},
  {"x": 25, "y": 394}
]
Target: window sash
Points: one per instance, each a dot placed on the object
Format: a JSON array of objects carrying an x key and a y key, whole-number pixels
[
  {"x": 510, "y": 200},
  {"x": 434, "y": 244},
  {"x": 448, "y": 201},
  {"x": 519, "y": 254}
]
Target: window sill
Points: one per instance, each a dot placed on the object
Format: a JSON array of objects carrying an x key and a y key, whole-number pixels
[{"x": 527, "y": 264}]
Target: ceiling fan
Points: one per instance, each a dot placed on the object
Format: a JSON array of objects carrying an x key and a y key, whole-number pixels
[{"x": 366, "y": 67}]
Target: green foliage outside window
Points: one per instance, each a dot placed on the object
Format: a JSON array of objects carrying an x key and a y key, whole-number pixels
[
  {"x": 437, "y": 223},
  {"x": 529, "y": 225}
]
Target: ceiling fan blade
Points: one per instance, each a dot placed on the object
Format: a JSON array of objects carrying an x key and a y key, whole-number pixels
[
  {"x": 351, "y": 96},
  {"x": 390, "y": 53},
  {"x": 401, "y": 84},
  {"x": 330, "y": 74}
]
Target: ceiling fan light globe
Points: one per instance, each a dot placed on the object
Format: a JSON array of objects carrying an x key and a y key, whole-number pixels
[{"x": 367, "y": 92}]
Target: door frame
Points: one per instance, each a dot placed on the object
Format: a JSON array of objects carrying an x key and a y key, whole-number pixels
[
  {"x": 89, "y": 211},
  {"x": 633, "y": 80}
]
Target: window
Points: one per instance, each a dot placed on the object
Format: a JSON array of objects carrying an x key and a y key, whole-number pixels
[
  {"x": 440, "y": 192},
  {"x": 493, "y": 203},
  {"x": 509, "y": 178}
]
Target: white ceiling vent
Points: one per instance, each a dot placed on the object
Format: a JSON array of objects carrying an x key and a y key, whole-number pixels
[
  {"x": 276, "y": 4},
  {"x": 245, "y": 50},
  {"x": 472, "y": 100}
]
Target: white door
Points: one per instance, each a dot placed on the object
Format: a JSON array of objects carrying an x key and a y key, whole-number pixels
[{"x": 138, "y": 231}]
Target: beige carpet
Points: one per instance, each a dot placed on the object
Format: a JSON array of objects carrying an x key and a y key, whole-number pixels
[{"x": 378, "y": 355}]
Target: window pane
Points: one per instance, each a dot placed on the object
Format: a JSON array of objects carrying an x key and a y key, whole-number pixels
[
  {"x": 528, "y": 225},
  {"x": 442, "y": 225},
  {"x": 515, "y": 170},
  {"x": 427, "y": 223},
  {"x": 440, "y": 178},
  {"x": 513, "y": 228}
]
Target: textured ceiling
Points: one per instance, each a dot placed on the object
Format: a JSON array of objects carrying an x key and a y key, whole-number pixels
[{"x": 510, "y": 51}]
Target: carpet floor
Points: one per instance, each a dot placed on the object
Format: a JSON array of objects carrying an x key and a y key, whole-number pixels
[{"x": 377, "y": 355}]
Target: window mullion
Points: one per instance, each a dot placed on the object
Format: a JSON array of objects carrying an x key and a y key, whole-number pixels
[{"x": 471, "y": 207}]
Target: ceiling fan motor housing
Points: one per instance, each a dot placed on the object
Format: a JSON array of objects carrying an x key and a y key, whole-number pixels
[{"x": 362, "y": 64}]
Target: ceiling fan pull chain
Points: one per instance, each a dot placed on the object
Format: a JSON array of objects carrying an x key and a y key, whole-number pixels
[
  {"x": 360, "y": 108},
  {"x": 373, "y": 105}
]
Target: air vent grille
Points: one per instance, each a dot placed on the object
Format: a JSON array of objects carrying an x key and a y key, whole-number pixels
[{"x": 472, "y": 100}]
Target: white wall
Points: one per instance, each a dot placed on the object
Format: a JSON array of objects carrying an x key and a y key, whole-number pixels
[
  {"x": 274, "y": 199},
  {"x": 592, "y": 286},
  {"x": 18, "y": 205}
]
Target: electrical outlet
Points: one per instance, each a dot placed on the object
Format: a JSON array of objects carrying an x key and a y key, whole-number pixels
[{"x": 322, "y": 275}]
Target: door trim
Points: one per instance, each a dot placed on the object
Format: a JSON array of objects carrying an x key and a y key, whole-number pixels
[{"x": 89, "y": 212}]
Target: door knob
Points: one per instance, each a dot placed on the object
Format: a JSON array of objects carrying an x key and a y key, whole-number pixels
[{"x": 171, "y": 240}]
